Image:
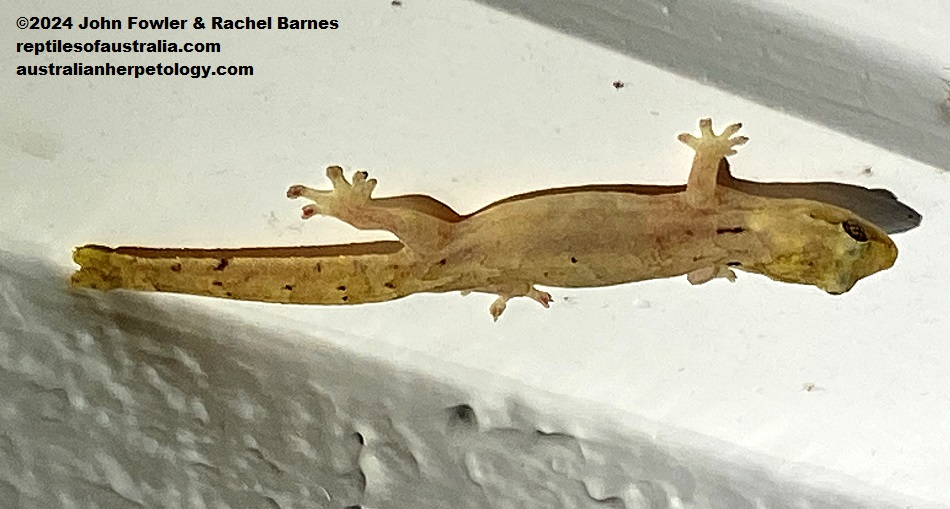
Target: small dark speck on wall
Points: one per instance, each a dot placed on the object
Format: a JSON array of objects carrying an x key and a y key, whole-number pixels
[
  {"x": 556, "y": 434},
  {"x": 462, "y": 414}
]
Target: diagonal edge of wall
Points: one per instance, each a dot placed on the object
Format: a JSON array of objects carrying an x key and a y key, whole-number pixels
[{"x": 884, "y": 95}]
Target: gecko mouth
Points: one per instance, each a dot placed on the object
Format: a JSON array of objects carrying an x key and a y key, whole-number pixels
[{"x": 842, "y": 285}]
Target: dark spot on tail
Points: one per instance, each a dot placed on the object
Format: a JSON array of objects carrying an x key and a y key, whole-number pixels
[
  {"x": 229, "y": 294},
  {"x": 176, "y": 267},
  {"x": 319, "y": 268},
  {"x": 573, "y": 260},
  {"x": 442, "y": 261},
  {"x": 733, "y": 264},
  {"x": 217, "y": 283},
  {"x": 734, "y": 229},
  {"x": 345, "y": 298},
  {"x": 288, "y": 287},
  {"x": 389, "y": 284},
  {"x": 222, "y": 264},
  {"x": 342, "y": 288}
]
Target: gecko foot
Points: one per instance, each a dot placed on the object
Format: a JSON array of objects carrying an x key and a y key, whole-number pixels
[
  {"x": 344, "y": 194},
  {"x": 501, "y": 303},
  {"x": 713, "y": 145},
  {"x": 704, "y": 275}
]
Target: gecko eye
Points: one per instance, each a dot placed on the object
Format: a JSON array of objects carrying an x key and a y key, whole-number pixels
[{"x": 855, "y": 230}]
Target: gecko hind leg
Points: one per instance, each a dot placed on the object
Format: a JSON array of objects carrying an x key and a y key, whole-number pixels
[
  {"x": 710, "y": 149},
  {"x": 353, "y": 203},
  {"x": 501, "y": 303}
]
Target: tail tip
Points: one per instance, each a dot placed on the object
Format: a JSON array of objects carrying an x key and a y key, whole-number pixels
[{"x": 96, "y": 269}]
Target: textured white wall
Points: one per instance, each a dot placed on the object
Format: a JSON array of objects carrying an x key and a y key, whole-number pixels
[
  {"x": 129, "y": 401},
  {"x": 651, "y": 395}
]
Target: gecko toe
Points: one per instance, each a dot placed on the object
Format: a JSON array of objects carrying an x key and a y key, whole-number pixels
[
  {"x": 366, "y": 190},
  {"x": 688, "y": 139},
  {"x": 498, "y": 307},
  {"x": 335, "y": 174},
  {"x": 308, "y": 211},
  {"x": 543, "y": 298},
  {"x": 359, "y": 178},
  {"x": 730, "y": 130}
]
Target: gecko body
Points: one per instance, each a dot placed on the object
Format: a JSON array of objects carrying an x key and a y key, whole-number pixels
[{"x": 584, "y": 236}]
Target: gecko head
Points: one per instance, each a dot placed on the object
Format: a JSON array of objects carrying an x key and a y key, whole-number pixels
[{"x": 821, "y": 245}]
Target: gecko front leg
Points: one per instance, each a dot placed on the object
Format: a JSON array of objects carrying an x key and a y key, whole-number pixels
[
  {"x": 710, "y": 149},
  {"x": 353, "y": 203}
]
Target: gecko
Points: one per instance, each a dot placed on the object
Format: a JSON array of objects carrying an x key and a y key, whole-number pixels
[{"x": 583, "y": 236}]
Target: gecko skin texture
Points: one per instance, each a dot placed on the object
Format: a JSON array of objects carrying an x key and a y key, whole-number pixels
[{"x": 584, "y": 236}]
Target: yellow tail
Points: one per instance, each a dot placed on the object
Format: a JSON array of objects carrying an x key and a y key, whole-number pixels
[{"x": 337, "y": 274}]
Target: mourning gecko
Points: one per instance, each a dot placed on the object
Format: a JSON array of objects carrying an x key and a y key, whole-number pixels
[{"x": 585, "y": 236}]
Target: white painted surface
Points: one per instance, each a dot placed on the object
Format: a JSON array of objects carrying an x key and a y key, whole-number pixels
[
  {"x": 469, "y": 105},
  {"x": 874, "y": 69}
]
